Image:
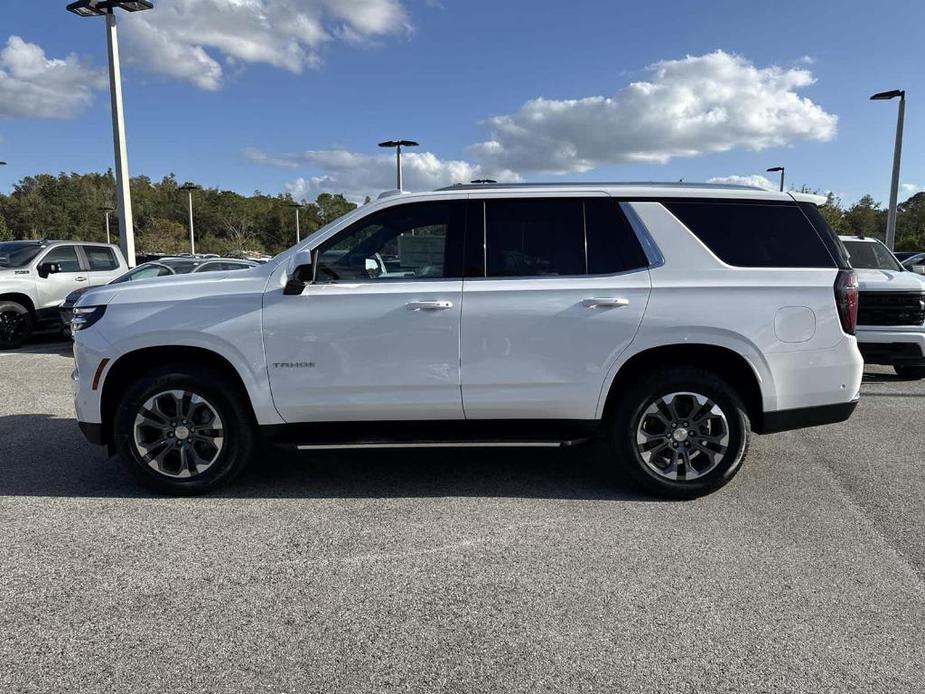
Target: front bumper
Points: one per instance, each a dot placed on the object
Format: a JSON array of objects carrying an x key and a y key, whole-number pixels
[
  {"x": 893, "y": 346},
  {"x": 92, "y": 432}
]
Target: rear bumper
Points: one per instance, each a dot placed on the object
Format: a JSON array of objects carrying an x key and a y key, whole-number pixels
[{"x": 802, "y": 417}]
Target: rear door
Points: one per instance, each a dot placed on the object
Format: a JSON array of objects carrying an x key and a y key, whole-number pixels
[
  {"x": 560, "y": 293},
  {"x": 103, "y": 265}
]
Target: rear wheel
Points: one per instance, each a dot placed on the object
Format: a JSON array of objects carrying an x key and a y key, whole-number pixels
[
  {"x": 910, "y": 372},
  {"x": 180, "y": 431},
  {"x": 680, "y": 433},
  {"x": 15, "y": 324}
]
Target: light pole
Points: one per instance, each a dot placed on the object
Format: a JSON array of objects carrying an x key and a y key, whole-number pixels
[
  {"x": 398, "y": 144},
  {"x": 897, "y": 155},
  {"x": 296, "y": 206},
  {"x": 781, "y": 169},
  {"x": 107, "y": 210},
  {"x": 189, "y": 188},
  {"x": 107, "y": 8}
]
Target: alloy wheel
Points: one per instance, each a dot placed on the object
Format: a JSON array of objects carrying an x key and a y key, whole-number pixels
[
  {"x": 178, "y": 433},
  {"x": 682, "y": 436}
]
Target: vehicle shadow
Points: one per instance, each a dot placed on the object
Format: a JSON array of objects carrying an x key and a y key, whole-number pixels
[
  {"x": 45, "y": 343},
  {"x": 44, "y": 455}
]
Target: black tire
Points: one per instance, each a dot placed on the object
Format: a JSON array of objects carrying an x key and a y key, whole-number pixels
[
  {"x": 239, "y": 430},
  {"x": 643, "y": 393},
  {"x": 915, "y": 373},
  {"x": 16, "y": 324}
]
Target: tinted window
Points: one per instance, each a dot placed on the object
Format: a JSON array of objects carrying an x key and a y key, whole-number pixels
[
  {"x": 101, "y": 259},
  {"x": 16, "y": 254},
  {"x": 534, "y": 237},
  {"x": 755, "y": 234},
  {"x": 871, "y": 255},
  {"x": 612, "y": 243},
  {"x": 826, "y": 233},
  {"x": 181, "y": 267},
  {"x": 65, "y": 257},
  {"x": 213, "y": 267},
  {"x": 143, "y": 272},
  {"x": 421, "y": 240}
]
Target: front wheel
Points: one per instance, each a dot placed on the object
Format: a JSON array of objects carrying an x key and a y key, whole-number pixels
[
  {"x": 182, "y": 431},
  {"x": 913, "y": 373},
  {"x": 680, "y": 433},
  {"x": 15, "y": 324}
]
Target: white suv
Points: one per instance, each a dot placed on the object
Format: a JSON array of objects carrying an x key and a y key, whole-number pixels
[
  {"x": 891, "y": 308},
  {"x": 35, "y": 276},
  {"x": 671, "y": 320}
]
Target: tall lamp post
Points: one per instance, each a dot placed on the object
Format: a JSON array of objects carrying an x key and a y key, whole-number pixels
[
  {"x": 107, "y": 8},
  {"x": 897, "y": 155},
  {"x": 297, "y": 207},
  {"x": 107, "y": 211},
  {"x": 781, "y": 169},
  {"x": 398, "y": 144},
  {"x": 189, "y": 188}
]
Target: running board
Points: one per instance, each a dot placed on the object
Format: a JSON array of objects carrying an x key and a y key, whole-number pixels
[
  {"x": 442, "y": 444},
  {"x": 511, "y": 433}
]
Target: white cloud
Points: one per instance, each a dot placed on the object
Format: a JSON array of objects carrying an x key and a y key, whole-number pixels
[
  {"x": 34, "y": 86},
  {"x": 756, "y": 180},
  {"x": 358, "y": 175},
  {"x": 697, "y": 105},
  {"x": 190, "y": 39},
  {"x": 911, "y": 188}
]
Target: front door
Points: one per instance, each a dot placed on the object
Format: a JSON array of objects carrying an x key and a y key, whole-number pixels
[
  {"x": 562, "y": 293},
  {"x": 57, "y": 285},
  {"x": 376, "y": 335}
]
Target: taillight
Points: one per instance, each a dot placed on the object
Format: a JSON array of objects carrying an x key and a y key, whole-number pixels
[{"x": 846, "y": 300}]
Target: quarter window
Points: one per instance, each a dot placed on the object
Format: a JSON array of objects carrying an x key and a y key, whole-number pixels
[
  {"x": 755, "y": 234},
  {"x": 101, "y": 259},
  {"x": 65, "y": 257},
  {"x": 413, "y": 241},
  {"x": 612, "y": 243}
]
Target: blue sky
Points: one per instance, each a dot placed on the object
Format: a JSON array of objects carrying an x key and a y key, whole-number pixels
[{"x": 296, "y": 98}]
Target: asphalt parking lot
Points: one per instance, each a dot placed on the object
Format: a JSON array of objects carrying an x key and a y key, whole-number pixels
[{"x": 458, "y": 571}]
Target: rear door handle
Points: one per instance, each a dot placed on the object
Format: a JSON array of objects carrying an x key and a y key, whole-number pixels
[
  {"x": 604, "y": 302},
  {"x": 80, "y": 279},
  {"x": 429, "y": 305}
]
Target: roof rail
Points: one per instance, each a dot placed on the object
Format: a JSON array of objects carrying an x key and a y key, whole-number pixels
[{"x": 608, "y": 184}]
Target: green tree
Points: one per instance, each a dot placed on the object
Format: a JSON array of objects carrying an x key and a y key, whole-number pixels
[{"x": 864, "y": 218}]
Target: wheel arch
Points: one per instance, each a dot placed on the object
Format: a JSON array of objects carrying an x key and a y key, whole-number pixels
[
  {"x": 730, "y": 365},
  {"x": 19, "y": 298},
  {"x": 128, "y": 366}
]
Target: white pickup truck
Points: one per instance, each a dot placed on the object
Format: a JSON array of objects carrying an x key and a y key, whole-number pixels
[
  {"x": 35, "y": 276},
  {"x": 891, "y": 310}
]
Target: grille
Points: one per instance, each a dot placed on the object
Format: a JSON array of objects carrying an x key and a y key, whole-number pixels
[{"x": 891, "y": 308}]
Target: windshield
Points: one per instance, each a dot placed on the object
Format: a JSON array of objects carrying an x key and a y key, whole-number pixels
[
  {"x": 18, "y": 254},
  {"x": 181, "y": 267},
  {"x": 871, "y": 255}
]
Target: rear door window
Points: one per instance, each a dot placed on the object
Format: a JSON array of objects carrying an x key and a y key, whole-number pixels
[
  {"x": 755, "y": 234},
  {"x": 101, "y": 259}
]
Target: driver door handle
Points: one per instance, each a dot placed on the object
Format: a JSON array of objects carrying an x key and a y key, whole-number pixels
[
  {"x": 604, "y": 302},
  {"x": 80, "y": 279},
  {"x": 429, "y": 305}
]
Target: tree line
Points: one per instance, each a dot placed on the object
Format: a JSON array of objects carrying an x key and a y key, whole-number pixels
[{"x": 68, "y": 206}]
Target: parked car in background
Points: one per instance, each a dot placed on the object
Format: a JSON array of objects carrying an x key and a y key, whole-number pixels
[
  {"x": 35, "y": 276},
  {"x": 159, "y": 268},
  {"x": 891, "y": 308},
  {"x": 914, "y": 262},
  {"x": 670, "y": 320}
]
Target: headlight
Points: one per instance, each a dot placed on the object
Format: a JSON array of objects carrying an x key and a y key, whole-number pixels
[{"x": 85, "y": 316}]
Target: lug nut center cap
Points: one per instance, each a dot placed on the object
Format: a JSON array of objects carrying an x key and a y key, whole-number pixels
[
  {"x": 678, "y": 434},
  {"x": 182, "y": 433}
]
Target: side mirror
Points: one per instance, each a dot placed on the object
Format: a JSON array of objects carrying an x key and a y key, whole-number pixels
[
  {"x": 918, "y": 269},
  {"x": 298, "y": 272},
  {"x": 46, "y": 269}
]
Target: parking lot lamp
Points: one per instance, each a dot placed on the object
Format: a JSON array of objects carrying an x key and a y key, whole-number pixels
[
  {"x": 897, "y": 155},
  {"x": 398, "y": 144},
  {"x": 107, "y": 8},
  {"x": 297, "y": 207},
  {"x": 781, "y": 169},
  {"x": 189, "y": 188},
  {"x": 107, "y": 211}
]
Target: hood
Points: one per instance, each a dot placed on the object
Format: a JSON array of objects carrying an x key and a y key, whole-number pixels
[{"x": 890, "y": 281}]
